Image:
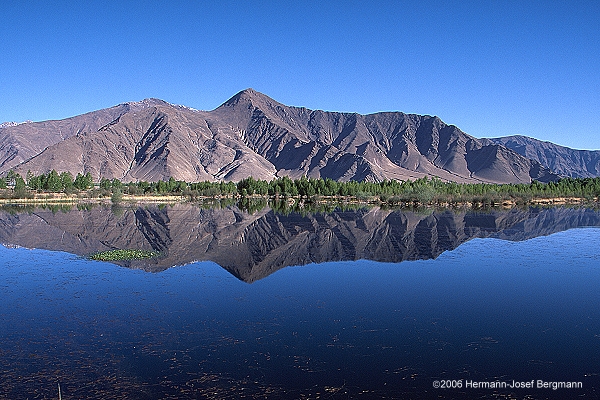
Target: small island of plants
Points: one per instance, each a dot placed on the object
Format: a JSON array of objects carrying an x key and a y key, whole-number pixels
[{"x": 124, "y": 255}]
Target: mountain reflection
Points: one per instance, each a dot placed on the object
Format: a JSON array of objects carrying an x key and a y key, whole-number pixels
[{"x": 252, "y": 246}]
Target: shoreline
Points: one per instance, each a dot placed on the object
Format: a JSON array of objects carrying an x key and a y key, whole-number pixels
[{"x": 291, "y": 201}]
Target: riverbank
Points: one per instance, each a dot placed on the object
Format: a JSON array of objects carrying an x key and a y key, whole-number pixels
[
  {"x": 89, "y": 197},
  {"x": 62, "y": 198}
]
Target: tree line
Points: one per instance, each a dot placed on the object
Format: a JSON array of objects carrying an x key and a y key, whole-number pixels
[
  {"x": 422, "y": 190},
  {"x": 51, "y": 182}
]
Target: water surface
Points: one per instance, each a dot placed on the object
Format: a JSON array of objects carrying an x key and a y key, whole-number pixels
[{"x": 466, "y": 304}]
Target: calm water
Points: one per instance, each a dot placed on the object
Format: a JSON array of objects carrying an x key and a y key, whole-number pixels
[{"x": 476, "y": 307}]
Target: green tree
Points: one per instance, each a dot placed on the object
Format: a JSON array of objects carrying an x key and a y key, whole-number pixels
[
  {"x": 171, "y": 184},
  {"x": 35, "y": 182},
  {"x": 161, "y": 187},
  {"x": 53, "y": 182},
  {"x": 79, "y": 182},
  {"x": 19, "y": 183},
  {"x": 66, "y": 179},
  {"x": 105, "y": 184},
  {"x": 246, "y": 186},
  {"x": 83, "y": 182},
  {"x": 116, "y": 184}
]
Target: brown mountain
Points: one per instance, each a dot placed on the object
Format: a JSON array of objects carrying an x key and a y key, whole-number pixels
[
  {"x": 252, "y": 134},
  {"x": 562, "y": 160},
  {"x": 20, "y": 142}
]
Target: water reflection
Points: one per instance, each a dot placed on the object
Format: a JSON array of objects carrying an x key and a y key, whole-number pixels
[
  {"x": 491, "y": 310},
  {"x": 251, "y": 246}
]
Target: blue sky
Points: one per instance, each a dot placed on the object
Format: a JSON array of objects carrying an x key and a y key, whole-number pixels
[{"x": 492, "y": 68}]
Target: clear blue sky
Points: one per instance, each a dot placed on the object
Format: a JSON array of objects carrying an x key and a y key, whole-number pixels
[{"x": 493, "y": 68}]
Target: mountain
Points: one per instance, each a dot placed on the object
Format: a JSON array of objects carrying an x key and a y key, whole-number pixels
[
  {"x": 252, "y": 134},
  {"x": 20, "y": 142},
  {"x": 560, "y": 159},
  {"x": 252, "y": 246}
]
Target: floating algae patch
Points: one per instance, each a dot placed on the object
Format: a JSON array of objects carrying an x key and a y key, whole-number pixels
[{"x": 124, "y": 255}]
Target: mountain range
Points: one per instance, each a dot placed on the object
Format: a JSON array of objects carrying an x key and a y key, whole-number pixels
[
  {"x": 562, "y": 160},
  {"x": 253, "y": 135}
]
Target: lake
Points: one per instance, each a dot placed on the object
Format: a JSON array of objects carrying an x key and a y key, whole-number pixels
[{"x": 367, "y": 303}]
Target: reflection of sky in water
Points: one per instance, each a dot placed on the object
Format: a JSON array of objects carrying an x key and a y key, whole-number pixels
[{"x": 488, "y": 310}]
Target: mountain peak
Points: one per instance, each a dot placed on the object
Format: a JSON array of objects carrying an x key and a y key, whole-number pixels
[
  {"x": 249, "y": 91},
  {"x": 250, "y": 96}
]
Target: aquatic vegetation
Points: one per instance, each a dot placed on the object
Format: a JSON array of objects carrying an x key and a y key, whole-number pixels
[{"x": 124, "y": 255}]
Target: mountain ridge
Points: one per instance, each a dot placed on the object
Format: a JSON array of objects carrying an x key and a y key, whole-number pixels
[
  {"x": 561, "y": 159},
  {"x": 252, "y": 134}
]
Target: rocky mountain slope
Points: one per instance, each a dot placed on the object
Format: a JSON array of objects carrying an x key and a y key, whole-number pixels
[
  {"x": 252, "y": 246},
  {"x": 252, "y": 134},
  {"x": 562, "y": 160},
  {"x": 20, "y": 142}
]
